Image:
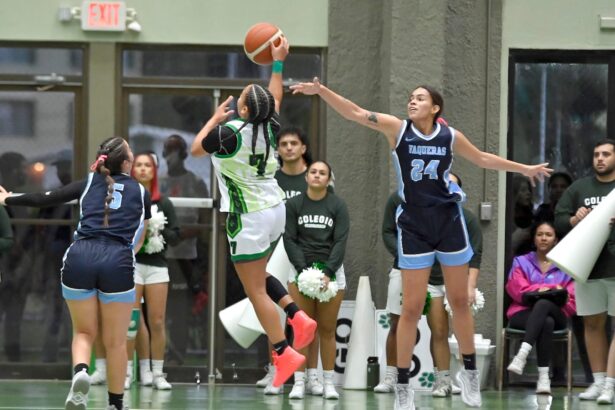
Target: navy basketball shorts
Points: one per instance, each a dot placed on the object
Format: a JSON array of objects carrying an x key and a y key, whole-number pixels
[
  {"x": 428, "y": 233},
  {"x": 99, "y": 266}
]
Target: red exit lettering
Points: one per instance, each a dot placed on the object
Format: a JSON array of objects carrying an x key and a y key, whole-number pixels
[{"x": 103, "y": 14}]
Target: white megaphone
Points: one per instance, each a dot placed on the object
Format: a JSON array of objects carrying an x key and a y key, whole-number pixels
[
  {"x": 280, "y": 267},
  {"x": 577, "y": 253},
  {"x": 230, "y": 318}
]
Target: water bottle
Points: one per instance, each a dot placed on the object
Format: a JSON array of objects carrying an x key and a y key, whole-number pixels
[
  {"x": 373, "y": 372},
  {"x": 197, "y": 377}
]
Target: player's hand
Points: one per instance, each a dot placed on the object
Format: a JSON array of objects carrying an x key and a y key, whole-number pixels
[
  {"x": 3, "y": 195},
  {"x": 538, "y": 172},
  {"x": 280, "y": 51},
  {"x": 307, "y": 88},
  {"x": 223, "y": 112}
]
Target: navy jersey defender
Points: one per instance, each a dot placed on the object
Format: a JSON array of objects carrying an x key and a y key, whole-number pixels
[
  {"x": 101, "y": 259},
  {"x": 430, "y": 219}
]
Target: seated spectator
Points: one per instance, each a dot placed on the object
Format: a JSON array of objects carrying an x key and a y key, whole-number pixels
[
  {"x": 523, "y": 215},
  {"x": 557, "y": 184},
  {"x": 530, "y": 276}
]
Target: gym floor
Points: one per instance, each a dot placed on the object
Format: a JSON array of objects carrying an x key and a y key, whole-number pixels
[{"x": 50, "y": 395}]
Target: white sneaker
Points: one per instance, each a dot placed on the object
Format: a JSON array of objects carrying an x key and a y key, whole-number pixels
[
  {"x": 592, "y": 392},
  {"x": 442, "y": 387},
  {"x": 298, "y": 391},
  {"x": 270, "y": 390},
  {"x": 387, "y": 385},
  {"x": 127, "y": 382},
  {"x": 314, "y": 386},
  {"x": 543, "y": 385},
  {"x": 329, "y": 391},
  {"x": 147, "y": 378},
  {"x": 455, "y": 389},
  {"x": 265, "y": 381},
  {"x": 469, "y": 381},
  {"x": 160, "y": 383},
  {"x": 404, "y": 397},
  {"x": 77, "y": 398},
  {"x": 98, "y": 377},
  {"x": 517, "y": 365},
  {"x": 606, "y": 397}
]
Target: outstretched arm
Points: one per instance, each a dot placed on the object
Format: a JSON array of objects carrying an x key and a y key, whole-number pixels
[
  {"x": 464, "y": 147},
  {"x": 276, "y": 85},
  {"x": 220, "y": 116},
  {"x": 387, "y": 124}
]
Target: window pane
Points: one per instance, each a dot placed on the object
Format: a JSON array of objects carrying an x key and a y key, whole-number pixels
[
  {"x": 41, "y": 61},
  {"x": 214, "y": 64},
  {"x": 559, "y": 111},
  {"x": 36, "y": 326}
]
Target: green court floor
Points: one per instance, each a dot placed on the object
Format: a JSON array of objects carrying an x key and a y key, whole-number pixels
[{"x": 50, "y": 395}]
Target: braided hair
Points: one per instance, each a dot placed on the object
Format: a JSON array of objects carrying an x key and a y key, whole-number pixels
[
  {"x": 261, "y": 107},
  {"x": 110, "y": 156}
]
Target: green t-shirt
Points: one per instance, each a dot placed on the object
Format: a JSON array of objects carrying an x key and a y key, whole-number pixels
[
  {"x": 292, "y": 185},
  {"x": 587, "y": 192},
  {"x": 316, "y": 231}
]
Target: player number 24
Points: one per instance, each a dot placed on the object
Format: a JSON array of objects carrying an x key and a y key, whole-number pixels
[{"x": 419, "y": 169}]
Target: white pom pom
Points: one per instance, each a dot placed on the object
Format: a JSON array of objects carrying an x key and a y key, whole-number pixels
[{"x": 310, "y": 282}]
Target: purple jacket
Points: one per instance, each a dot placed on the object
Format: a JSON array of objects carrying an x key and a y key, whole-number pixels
[{"x": 525, "y": 276}]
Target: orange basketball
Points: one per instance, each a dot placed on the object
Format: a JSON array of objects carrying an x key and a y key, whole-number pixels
[{"x": 258, "y": 40}]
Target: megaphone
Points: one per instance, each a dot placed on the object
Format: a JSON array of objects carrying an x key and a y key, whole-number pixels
[
  {"x": 230, "y": 318},
  {"x": 577, "y": 253}
]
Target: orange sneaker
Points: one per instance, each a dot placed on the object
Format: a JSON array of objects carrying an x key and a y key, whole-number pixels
[
  {"x": 285, "y": 365},
  {"x": 304, "y": 328}
]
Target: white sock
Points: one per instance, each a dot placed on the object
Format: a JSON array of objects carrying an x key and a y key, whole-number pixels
[
  {"x": 391, "y": 370},
  {"x": 609, "y": 383},
  {"x": 444, "y": 374},
  {"x": 327, "y": 375},
  {"x": 599, "y": 377},
  {"x": 101, "y": 365},
  {"x": 524, "y": 350},
  {"x": 299, "y": 377},
  {"x": 157, "y": 367},
  {"x": 129, "y": 369},
  {"x": 543, "y": 371},
  {"x": 144, "y": 366},
  {"x": 312, "y": 373}
]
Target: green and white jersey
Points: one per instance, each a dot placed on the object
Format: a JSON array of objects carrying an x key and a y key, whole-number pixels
[{"x": 246, "y": 180}]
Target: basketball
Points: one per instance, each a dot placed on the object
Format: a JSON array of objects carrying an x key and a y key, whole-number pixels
[{"x": 257, "y": 42}]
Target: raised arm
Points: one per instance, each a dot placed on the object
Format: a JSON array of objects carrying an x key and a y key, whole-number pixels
[
  {"x": 220, "y": 116},
  {"x": 387, "y": 124},
  {"x": 276, "y": 85},
  {"x": 466, "y": 149}
]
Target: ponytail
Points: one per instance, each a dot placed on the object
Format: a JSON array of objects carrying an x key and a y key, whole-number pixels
[{"x": 109, "y": 159}]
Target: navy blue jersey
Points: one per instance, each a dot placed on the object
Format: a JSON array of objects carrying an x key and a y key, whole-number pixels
[
  {"x": 423, "y": 163},
  {"x": 131, "y": 204}
]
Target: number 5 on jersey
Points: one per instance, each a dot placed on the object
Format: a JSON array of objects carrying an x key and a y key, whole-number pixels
[{"x": 116, "y": 202}]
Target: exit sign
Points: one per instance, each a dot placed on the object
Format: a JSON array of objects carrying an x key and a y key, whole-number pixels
[{"x": 103, "y": 15}]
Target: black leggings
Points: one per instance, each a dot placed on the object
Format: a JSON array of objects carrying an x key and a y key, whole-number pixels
[{"x": 539, "y": 322}]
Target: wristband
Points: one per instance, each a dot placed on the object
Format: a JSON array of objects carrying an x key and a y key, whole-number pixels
[{"x": 278, "y": 66}]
